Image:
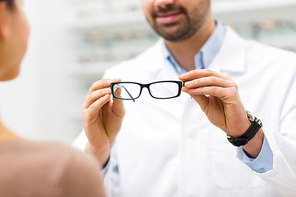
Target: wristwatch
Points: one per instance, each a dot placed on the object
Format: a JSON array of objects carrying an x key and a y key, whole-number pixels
[{"x": 249, "y": 134}]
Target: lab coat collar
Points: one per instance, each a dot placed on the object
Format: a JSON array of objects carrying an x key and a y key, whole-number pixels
[{"x": 232, "y": 55}]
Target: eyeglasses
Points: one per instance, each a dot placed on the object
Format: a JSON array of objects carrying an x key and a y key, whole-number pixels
[{"x": 157, "y": 90}]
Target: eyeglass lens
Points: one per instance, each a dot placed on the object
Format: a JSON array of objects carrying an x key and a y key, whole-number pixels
[
  {"x": 164, "y": 89},
  {"x": 128, "y": 90}
]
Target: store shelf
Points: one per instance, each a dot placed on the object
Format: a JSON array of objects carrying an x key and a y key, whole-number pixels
[
  {"x": 224, "y": 11},
  {"x": 94, "y": 69},
  {"x": 243, "y": 11},
  {"x": 250, "y": 5},
  {"x": 135, "y": 19}
]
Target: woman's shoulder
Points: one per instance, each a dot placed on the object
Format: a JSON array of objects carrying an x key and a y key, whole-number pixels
[
  {"x": 51, "y": 167},
  {"x": 52, "y": 152}
]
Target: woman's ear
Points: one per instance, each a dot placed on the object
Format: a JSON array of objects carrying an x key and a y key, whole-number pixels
[{"x": 4, "y": 20}]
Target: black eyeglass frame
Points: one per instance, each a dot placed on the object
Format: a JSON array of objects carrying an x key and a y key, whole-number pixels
[{"x": 180, "y": 85}]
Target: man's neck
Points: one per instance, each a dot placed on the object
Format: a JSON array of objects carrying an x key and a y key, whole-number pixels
[{"x": 184, "y": 51}]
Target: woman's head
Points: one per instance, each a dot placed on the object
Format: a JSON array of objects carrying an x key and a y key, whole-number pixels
[
  {"x": 10, "y": 3},
  {"x": 14, "y": 34}
]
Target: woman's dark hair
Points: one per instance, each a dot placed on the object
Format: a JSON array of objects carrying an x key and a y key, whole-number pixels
[{"x": 10, "y": 3}]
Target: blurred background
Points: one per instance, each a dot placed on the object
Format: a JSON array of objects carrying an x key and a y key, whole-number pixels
[{"x": 72, "y": 42}]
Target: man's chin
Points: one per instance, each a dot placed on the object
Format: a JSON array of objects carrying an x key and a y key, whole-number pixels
[{"x": 170, "y": 33}]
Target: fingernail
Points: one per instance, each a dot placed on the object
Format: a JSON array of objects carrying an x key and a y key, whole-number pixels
[
  {"x": 109, "y": 81},
  {"x": 185, "y": 75},
  {"x": 188, "y": 83},
  {"x": 108, "y": 90},
  {"x": 117, "y": 94}
]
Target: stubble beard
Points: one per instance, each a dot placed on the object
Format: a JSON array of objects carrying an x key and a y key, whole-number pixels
[{"x": 185, "y": 28}]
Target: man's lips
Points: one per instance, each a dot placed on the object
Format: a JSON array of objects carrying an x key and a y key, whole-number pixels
[{"x": 168, "y": 17}]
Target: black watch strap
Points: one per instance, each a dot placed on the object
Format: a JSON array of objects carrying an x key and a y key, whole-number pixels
[{"x": 249, "y": 134}]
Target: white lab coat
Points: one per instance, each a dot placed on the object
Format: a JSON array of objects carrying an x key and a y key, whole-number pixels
[{"x": 168, "y": 148}]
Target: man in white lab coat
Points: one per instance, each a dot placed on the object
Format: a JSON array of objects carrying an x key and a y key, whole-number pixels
[{"x": 178, "y": 147}]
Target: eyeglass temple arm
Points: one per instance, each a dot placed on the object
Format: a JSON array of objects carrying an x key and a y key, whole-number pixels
[{"x": 127, "y": 92}]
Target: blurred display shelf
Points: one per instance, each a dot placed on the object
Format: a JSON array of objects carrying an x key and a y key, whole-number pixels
[
  {"x": 220, "y": 7},
  {"x": 236, "y": 10},
  {"x": 110, "y": 21},
  {"x": 255, "y": 10},
  {"x": 105, "y": 14},
  {"x": 89, "y": 69},
  {"x": 120, "y": 42},
  {"x": 102, "y": 4}
]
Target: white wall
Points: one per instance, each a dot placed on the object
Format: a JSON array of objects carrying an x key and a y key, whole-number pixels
[
  {"x": 17, "y": 97},
  {"x": 33, "y": 104}
]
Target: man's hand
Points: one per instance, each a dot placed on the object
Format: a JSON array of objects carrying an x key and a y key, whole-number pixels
[
  {"x": 102, "y": 118},
  {"x": 219, "y": 99}
]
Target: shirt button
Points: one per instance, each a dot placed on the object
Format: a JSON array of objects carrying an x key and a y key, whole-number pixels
[{"x": 261, "y": 170}]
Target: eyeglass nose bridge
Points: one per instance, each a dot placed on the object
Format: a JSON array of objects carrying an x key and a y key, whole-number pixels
[{"x": 148, "y": 88}]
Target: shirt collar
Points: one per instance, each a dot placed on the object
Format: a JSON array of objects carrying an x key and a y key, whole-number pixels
[{"x": 206, "y": 54}]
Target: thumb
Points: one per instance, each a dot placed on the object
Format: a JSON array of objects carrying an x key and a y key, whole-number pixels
[
  {"x": 118, "y": 107},
  {"x": 202, "y": 100}
]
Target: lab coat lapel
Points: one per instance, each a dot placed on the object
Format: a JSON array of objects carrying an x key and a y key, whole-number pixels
[
  {"x": 157, "y": 65},
  {"x": 154, "y": 61},
  {"x": 232, "y": 55}
]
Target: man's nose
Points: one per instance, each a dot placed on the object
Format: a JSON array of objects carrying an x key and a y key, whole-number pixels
[{"x": 163, "y": 3}]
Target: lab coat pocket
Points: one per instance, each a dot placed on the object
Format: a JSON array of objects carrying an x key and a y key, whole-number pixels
[{"x": 227, "y": 170}]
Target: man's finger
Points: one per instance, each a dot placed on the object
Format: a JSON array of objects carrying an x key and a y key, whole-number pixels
[
  {"x": 209, "y": 81},
  {"x": 95, "y": 95},
  {"x": 104, "y": 83},
  {"x": 118, "y": 107},
  {"x": 92, "y": 111},
  {"x": 225, "y": 94},
  {"x": 196, "y": 74}
]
